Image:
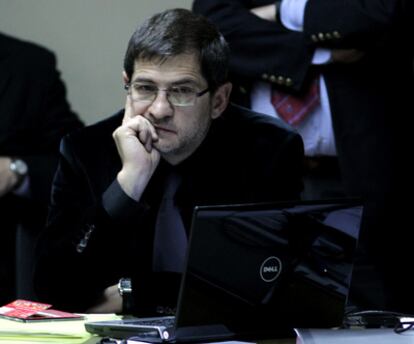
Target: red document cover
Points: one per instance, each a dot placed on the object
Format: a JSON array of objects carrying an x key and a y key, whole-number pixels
[{"x": 23, "y": 310}]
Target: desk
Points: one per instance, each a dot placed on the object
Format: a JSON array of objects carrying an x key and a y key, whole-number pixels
[
  {"x": 360, "y": 336},
  {"x": 95, "y": 340},
  {"x": 61, "y": 332},
  {"x": 355, "y": 336},
  {"x": 92, "y": 340},
  {"x": 51, "y": 332},
  {"x": 306, "y": 336},
  {"x": 277, "y": 341}
]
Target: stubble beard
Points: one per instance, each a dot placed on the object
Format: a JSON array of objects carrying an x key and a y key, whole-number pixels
[{"x": 185, "y": 145}]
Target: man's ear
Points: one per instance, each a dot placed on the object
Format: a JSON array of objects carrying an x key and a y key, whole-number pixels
[
  {"x": 220, "y": 99},
  {"x": 125, "y": 77}
]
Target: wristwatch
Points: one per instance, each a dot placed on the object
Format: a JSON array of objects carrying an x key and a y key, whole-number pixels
[
  {"x": 125, "y": 290},
  {"x": 19, "y": 168}
]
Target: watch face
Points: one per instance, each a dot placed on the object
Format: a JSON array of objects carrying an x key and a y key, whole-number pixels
[
  {"x": 19, "y": 167},
  {"x": 125, "y": 286}
]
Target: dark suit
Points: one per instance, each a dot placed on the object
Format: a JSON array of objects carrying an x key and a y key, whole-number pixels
[
  {"x": 34, "y": 115},
  {"x": 246, "y": 157},
  {"x": 369, "y": 104}
]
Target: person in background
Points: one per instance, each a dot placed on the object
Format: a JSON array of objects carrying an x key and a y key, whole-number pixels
[
  {"x": 34, "y": 115},
  {"x": 177, "y": 138},
  {"x": 358, "y": 55}
]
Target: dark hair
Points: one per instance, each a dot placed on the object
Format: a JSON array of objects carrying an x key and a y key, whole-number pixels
[{"x": 178, "y": 31}]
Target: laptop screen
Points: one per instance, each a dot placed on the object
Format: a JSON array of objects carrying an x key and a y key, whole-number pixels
[{"x": 267, "y": 268}]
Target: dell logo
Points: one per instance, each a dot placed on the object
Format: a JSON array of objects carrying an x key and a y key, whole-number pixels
[{"x": 270, "y": 269}]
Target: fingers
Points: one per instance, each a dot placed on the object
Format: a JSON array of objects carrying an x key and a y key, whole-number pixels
[
  {"x": 267, "y": 12},
  {"x": 145, "y": 138},
  {"x": 128, "y": 109},
  {"x": 140, "y": 125},
  {"x": 144, "y": 130}
]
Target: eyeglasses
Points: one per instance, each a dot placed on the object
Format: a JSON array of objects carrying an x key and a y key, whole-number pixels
[{"x": 176, "y": 95}]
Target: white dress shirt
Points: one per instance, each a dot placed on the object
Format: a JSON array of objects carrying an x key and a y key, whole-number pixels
[{"x": 316, "y": 129}]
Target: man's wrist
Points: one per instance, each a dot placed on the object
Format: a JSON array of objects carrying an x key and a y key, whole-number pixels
[{"x": 133, "y": 184}]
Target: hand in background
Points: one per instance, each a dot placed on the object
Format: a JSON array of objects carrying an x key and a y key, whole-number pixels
[{"x": 267, "y": 12}]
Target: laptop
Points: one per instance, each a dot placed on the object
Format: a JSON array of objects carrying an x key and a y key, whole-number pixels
[{"x": 257, "y": 271}]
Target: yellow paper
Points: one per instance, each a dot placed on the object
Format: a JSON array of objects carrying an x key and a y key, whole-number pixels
[{"x": 66, "y": 331}]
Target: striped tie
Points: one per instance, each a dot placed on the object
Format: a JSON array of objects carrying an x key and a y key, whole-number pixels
[{"x": 294, "y": 108}]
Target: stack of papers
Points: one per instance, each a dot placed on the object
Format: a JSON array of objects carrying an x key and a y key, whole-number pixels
[{"x": 67, "y": 331}]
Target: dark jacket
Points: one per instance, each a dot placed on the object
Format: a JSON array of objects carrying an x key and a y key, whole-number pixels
[
  {"x": 34, "y": 112},
  {"x": 34, "y": 115},
  {"x": 246, "y": 157}
]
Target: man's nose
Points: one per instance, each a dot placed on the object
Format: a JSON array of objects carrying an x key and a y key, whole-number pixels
[{"x": 161, "y": 106}]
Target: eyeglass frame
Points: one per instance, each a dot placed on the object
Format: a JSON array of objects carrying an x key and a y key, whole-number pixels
[{"x": 166, "y": 90}]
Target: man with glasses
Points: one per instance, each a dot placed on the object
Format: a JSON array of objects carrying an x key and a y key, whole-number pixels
[{"x": 126, "y": 187}]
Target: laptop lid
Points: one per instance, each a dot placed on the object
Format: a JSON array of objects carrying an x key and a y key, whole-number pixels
[
  {"x": 262, "y": 269},
  {"x": 259, "y": 270}
]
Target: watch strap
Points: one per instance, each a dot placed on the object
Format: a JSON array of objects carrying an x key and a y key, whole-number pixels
[{"x": 125, "y": 290}]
